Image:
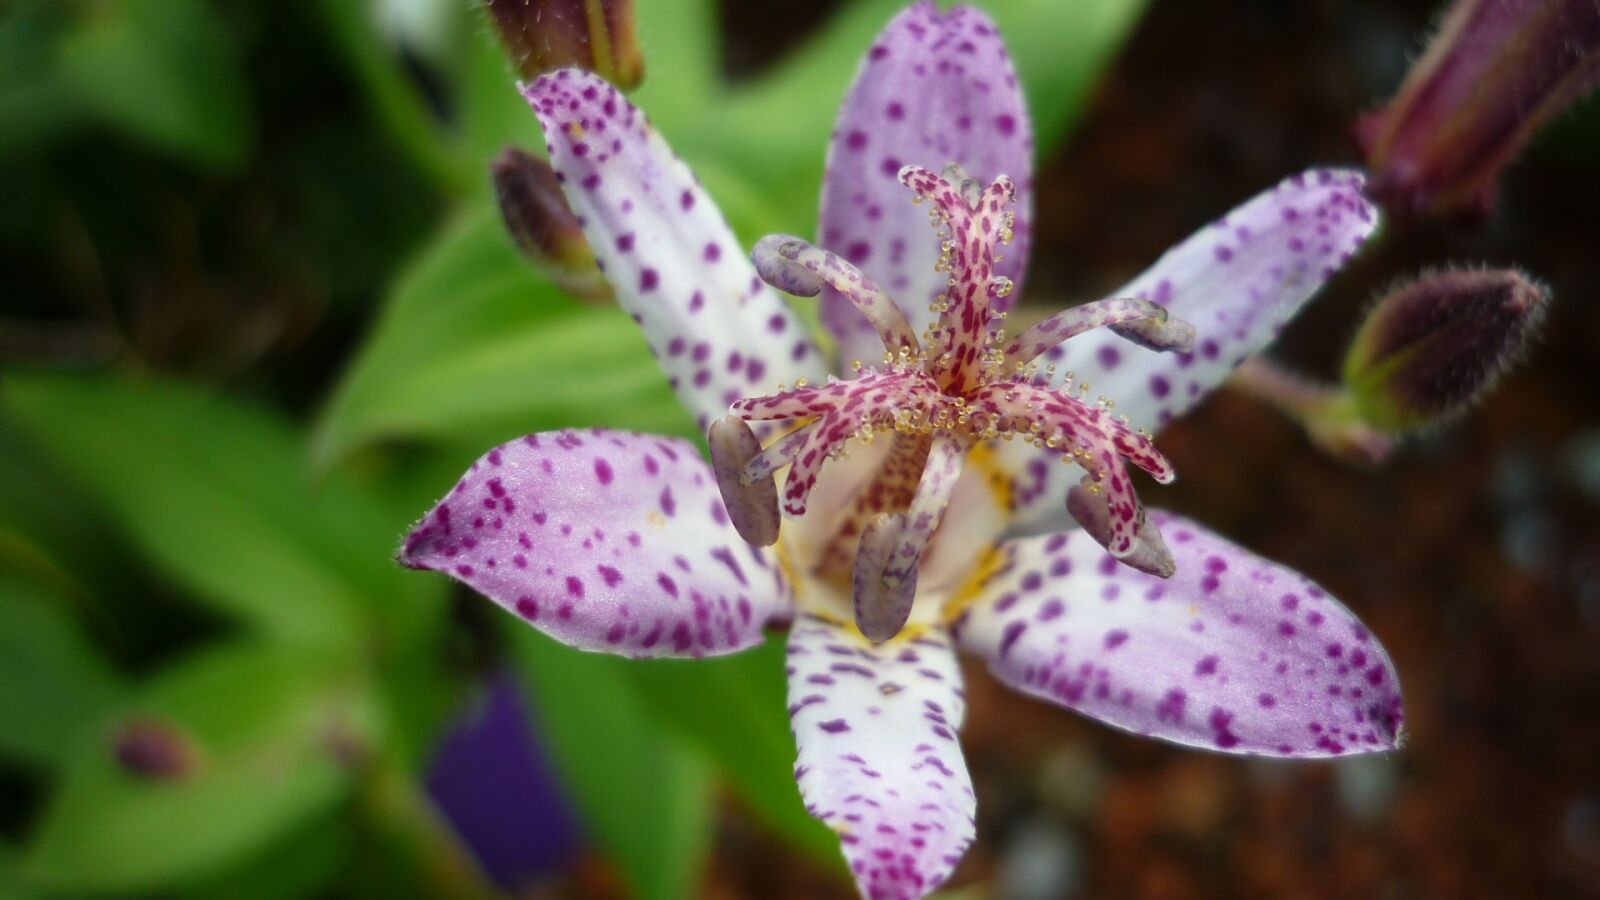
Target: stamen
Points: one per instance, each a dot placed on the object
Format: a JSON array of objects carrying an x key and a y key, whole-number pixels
[
  {"x": 752, "y": 503},
  {"x": 796, "y": 267},
  {"x": 891, "y": 545},
  {"x": 1146, "y": 552},
  {"x": 1141, "y": 321},
  {"x": 964, "y": 382}
]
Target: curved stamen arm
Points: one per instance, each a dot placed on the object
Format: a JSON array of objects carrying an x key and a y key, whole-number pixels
[
  {"x": 1140, "y": 321},
  {"x": 1076, "y": 426},
  {"x": 972, "y": 232},
  {"x": 892, "y": 544},
  {"x": 797, "y": 267}
]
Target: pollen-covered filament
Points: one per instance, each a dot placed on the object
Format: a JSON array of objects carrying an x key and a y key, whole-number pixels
[{"x": 961, "y": 384}]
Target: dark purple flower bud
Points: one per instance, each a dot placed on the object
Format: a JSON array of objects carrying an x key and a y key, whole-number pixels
[
  {"x": 544, "y": 226},
  {"x": 1433, "y": 346},
  {"x": 544, "y": 35},
  {"x": 155, "y": 749},
  {"x": 1494, "y": 73}
]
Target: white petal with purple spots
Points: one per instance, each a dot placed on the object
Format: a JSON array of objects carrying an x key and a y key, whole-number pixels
[
  {"x": 718, "y": 330},
  {"x": 879, "y": 763},
  {"x": 1236, "y": 281},
  {"x": 936, "y": 88},
  {"x": 1232, "y": 653},
  {"x": 607, "y": 541}
]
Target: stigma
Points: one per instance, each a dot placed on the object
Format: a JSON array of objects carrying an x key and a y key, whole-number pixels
[{"x": 937, "y": 395}]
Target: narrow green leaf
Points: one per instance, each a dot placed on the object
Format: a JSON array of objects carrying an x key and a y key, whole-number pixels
[
  {"x": 261, "y": 719},
  {"x": 734, "y": 708},
  {"x": 396, "y": 101},
  {"x": 303, "y": 863},
  {"x": 54, "y": 684},
  {"x": 164, "y": 71},
  {"x": 644, "y": 795},
  {"x": 475, "y": 348},
  {"x": 217, "y": 494}
]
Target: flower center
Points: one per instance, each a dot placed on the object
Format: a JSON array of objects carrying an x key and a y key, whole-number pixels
[{"x": 961, "y": 383}]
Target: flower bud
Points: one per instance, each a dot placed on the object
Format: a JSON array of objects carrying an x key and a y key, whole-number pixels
[
  {"x": 1433, "y": 346},
  {"x": 543, "y": 225},
  {"x": 154, "y": 749},
  {"x": 1494, "y": 73},
  {"x": 545, "y": 35}
]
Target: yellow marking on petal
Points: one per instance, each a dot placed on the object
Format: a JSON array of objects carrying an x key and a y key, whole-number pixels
[
  {"x": 986, "y": 460},
  {"x": 786, "y": 565},
  {"x": 656, "y": 519},
  {"x": 575, "y": 128},
  {"x": 990, "y": 564}
]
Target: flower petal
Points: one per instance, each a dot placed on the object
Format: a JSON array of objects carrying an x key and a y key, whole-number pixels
[
  {"x": 1233, "y": 653},
  {"x": 936, "y": 88},
  {"x": 879, "y": 762},
  {"x": 718, "y": 330},
  {"x": 1236, "y": 281},
  {"x": 607, "y": 541}
]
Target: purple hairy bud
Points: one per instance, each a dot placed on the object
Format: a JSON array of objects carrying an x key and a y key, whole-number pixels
[
  {"x": 1433, "y": 346},
  {"x": 154, "y": 749},
  {"x": 543, "y": 225},
  {"x": 1495, "y": 72},
  {"x": 545, "y": 35}
]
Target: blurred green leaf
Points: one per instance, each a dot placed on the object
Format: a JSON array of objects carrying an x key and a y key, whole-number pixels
[
  {"x": 735, "y": 708},
  {"x": 218, "y": 495},
  {"x": 643, "y": 794},
  {"x": 396, "y": 99},
  {"x": 303, "y": 863},
  {"x": 36, "y": 104},
  {"x": 475, "y": 348},
  {"x": 262, "y": 717},
  {"x": 53, "y": 682},
  {"x": 164, "y": 71},
  {"x": 682, "y": 63},
  {"x": 13, "y": 885}
]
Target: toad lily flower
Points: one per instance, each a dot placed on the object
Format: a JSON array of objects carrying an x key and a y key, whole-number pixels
[{"x": 884, "y": 556}]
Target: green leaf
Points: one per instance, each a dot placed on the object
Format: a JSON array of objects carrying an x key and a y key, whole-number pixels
[
  {"x": 303, "y": 863},
  {"x": 396, "y": 101},
  {"x": 36, "y": 103},
  {"x": 53, "y": 682},
  {"x": 13, "y": 884},
  {"x": 734, "y": 708},
  {"x": 164, "y": 71},
  {"x": 474, "y": 348},
  {"x": 643, "y": 794},
  {"x": 260, "y": 718},
  {"x": 217, "y": 495}
]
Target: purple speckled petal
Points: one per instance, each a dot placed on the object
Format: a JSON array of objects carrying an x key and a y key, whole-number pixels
[
  {"x": 604, "y": 540},
  {"x": 1236, "y": 281},
  {"x": 879, "y": 762},
  {"x": 718, "y": 330},
  {"x": 1232, "y": 653},
  {"x": 936, "y": 88}
]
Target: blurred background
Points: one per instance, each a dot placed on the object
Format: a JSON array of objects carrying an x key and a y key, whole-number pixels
[{"x": 257, "y": 311}]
